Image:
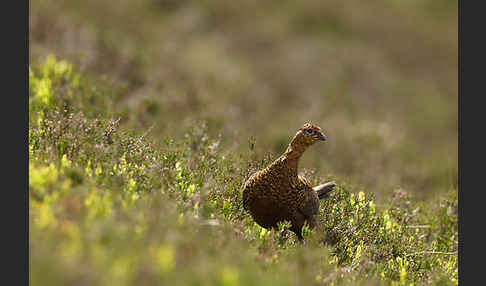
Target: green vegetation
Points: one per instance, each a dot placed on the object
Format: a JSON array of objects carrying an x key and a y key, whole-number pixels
[
  {"x": 146, "y": 117},
  {"x": 109, "y": 206},
  {"x": 380, "y": 77}
]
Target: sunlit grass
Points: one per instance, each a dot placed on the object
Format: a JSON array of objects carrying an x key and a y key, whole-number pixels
[
  {"x": 110, "y": 206},
  {"x": 379, "y": 76}
]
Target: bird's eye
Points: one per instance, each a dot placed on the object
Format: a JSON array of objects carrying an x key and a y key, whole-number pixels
[{"x": 309, "y": 131}]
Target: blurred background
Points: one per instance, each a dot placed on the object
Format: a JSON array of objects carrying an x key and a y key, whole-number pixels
[{"x": 380, "y": 77}]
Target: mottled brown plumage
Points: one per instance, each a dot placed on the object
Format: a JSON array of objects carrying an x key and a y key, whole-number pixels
[{"x": 278, "y": 193}]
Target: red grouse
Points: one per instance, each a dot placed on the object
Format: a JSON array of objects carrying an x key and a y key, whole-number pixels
[{"x": 277, "y": 193}]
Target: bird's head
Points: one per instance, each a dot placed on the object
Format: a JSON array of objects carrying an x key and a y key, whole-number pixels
[{"x": 307, "y": 135}]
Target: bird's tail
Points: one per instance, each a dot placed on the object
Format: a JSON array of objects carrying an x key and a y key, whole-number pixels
[{"x": 324, "y": 189}]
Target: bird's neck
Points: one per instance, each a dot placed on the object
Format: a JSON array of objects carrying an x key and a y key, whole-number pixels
[{"x": 292, "y": 156}]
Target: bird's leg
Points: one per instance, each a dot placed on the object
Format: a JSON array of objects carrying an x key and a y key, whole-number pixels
[
  {"x": 301, "y": 238},
  {"x": 283, "y": 236},
  {"x": 298, "y": 233}
]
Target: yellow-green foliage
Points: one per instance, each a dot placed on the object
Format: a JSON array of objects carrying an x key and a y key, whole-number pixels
[
  {"x": 52, "y": 74},
  {"x": 380, "y": 77},
  {"x": 109, "y": 207}
]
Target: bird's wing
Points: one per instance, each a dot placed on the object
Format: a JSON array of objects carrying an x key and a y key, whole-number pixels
[
  {"x": 310, "y": 205},
  {"x": 310, "y": 202}
]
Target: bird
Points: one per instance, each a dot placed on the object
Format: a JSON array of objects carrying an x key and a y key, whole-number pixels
[{"x": 278, "y": 193}]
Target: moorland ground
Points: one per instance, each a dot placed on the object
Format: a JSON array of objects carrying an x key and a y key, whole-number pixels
[{"x": 149, "y": 115}]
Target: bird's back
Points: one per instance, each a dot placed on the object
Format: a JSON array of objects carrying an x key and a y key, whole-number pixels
[
  {"x": 275, "y": 194},
  {"x": 261, "y": 196}
]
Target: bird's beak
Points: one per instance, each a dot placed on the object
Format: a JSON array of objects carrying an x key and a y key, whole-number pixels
[{"x": 321, "y": 136}]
